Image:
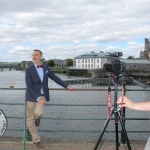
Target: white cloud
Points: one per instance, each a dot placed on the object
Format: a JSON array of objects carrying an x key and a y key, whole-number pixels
[{"x": 53, "y": 25}]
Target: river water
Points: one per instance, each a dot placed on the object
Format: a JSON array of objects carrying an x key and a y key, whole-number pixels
[{"x": 16, "y": 78}]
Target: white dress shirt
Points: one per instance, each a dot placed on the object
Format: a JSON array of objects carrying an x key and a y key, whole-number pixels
[{"x": 40, "y": 73}]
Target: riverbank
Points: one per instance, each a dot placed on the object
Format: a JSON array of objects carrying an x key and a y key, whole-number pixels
[
  {"x": 99, "y": 73},
  {"x": 57, "y": 144}
]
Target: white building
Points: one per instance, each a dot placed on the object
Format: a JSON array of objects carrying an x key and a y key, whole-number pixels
[{"x": 91, "y": 60}]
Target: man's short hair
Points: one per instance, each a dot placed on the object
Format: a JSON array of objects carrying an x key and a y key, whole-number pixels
[{"x": 37, "y": 50}]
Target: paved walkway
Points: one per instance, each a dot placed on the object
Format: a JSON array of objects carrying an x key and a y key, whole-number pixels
[{"x": 69, "y": 145}]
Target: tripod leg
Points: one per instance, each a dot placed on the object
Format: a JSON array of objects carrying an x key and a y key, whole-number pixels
[
  {"x": 101, "y": 135},
  {"x": 117, "y": 142},
  {"x": 116, "y": 127},
  {"x": 125, "y": 133}
]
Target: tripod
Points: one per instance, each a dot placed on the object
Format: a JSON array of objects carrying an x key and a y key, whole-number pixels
[
  {"x": 117, "y": 114},
  {"x": 117, "y": 67}
]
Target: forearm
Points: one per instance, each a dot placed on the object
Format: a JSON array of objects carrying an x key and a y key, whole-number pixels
[
  {"x": 142, "y": 106},
  {"x": 57, "y": 79}
]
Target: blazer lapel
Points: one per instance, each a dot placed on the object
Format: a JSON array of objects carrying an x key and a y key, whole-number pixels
[{"x": 35, "y": 72}]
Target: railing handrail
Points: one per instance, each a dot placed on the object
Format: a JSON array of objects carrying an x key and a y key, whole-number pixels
[
  {"x": 80, "y": 118},
  {"x": 81, "y": 89}
]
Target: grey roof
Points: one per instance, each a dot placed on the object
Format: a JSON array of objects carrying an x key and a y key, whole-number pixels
[
  {"x": 93, "y": 55},
  {"x": 135, "y": 61}
]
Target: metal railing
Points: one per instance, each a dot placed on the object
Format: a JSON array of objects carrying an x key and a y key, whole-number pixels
[{"x": 26, "y": 135}]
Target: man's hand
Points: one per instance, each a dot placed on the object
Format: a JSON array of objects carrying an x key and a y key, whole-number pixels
[
  {"x": 42, "y": 101},
  {"x": 70, "y": 88}
]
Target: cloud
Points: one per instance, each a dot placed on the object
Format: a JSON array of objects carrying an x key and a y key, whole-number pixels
[{"x": 62, "y": 27}]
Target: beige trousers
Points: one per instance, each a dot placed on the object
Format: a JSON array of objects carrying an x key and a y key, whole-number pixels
[{"x": 34, "y": 111}]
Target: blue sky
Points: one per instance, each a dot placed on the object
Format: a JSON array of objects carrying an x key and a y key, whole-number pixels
[{"x": 68, "y": 28}]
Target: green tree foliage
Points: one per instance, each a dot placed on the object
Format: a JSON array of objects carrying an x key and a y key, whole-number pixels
[
  {"x": 69, "y": 62},
  {"x": 51, "y": 63},
  {"x": 130, "y": 57}
]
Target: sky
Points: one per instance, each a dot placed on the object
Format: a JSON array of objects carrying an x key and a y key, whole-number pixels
[{"x": 64, "y": 29}]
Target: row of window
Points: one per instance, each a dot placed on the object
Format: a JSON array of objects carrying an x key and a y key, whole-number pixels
[
  {"x": 88, "y": 66},
  {"x": 87, "y": 60},
  {"x": 91, "y": 60}
]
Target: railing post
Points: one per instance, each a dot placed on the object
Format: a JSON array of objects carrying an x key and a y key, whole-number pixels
[
  {"x": 28, "y": 136},
  {"x": 26, "y": 133},
  {"x": 123, "y": 140}
]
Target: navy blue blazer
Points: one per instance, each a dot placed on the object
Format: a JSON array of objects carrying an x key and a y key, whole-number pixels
[{"x": 34, "y": 84}]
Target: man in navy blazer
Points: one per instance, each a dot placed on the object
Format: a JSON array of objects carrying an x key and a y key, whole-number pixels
[{"x": 38, "y": 93}]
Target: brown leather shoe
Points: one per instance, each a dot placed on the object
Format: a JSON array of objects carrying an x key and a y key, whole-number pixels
[
  {"x": 37, "y": 122},
  {"x": 38, "y": 145}
]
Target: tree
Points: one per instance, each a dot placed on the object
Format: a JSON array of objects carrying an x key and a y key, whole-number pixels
[
  {"x": 51, "y": 63},
  {"x": 130, "y": 57},
  {"x": 69, "y": 62}
]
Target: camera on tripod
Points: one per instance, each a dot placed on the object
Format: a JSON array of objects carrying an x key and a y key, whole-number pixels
[
  {"x": 115, "y": 65},
  {"x": 117, "y": 68}
]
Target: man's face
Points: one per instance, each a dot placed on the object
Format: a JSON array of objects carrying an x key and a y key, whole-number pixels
[{"x": 36, "y": 57}]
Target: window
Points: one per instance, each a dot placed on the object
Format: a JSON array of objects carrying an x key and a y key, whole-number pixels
[
  {"x": 92, "y": 66},
  {"x": 91, "y": 60},
  {"x": 78, "y": 60},
  {"x": 88, "y": 60},
  {"x": 97, "y": 66},
  {"x": 82, "y": 65},
  {"x": 88, "y": 65},
  {"x": 104, "y": 61},
  {"x": 85, "y": 66},
  {"x": 82, "y": 60},
  {"x": 85, "y": 60},
  {"x": 97, "y": 60}
]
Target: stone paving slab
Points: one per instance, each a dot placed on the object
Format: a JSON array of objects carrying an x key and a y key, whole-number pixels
[{"x": 53, "y": 144}]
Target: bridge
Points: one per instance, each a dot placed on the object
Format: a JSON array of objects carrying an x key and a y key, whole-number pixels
[{"x": 9, "y": 65}]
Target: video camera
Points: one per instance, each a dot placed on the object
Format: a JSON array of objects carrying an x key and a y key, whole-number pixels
[{"x": 115, "y": 65}]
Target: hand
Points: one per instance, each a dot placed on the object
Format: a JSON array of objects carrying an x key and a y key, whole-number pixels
[
  {"x": 42, "y": 102},
  {"x": 70, "y": 88},
  {"x": 126, "y": 102}
]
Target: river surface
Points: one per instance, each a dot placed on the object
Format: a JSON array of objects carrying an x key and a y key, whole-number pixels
[{"x": 17, "y": 78}]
